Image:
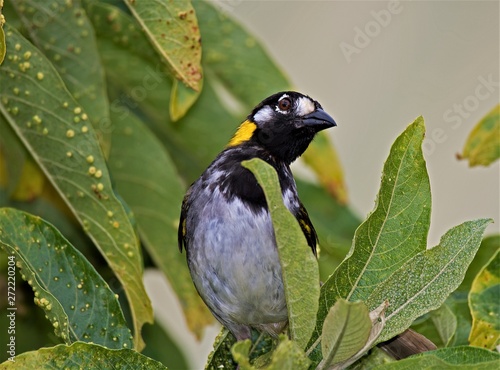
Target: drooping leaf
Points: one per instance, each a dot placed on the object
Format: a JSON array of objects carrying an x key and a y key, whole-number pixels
[
  {"x": 54, "y": 128},
  {"x": 467, "y": 358},
  {"x": 393, "y": 233},
  {"x": 299, "y": 266},
  {"x": 345, "y": 331},
  {"x": 424, "y": 282},
  {"x": 322, "y": 157},
  {"x": 62, "y": 31},
  {"x": 181, "y": 100},
  {"x": 82, "y": 356},
  {"x": 484, "y": 298},
  {"x": 483, "y": 144},
  {"x": 148, "y": 181},
  {"x": 206, "y": 128},
  {"x": 130, "y": 60},
  {"x": 172, "y": 28},
  {"x": 75, "y": 298}
]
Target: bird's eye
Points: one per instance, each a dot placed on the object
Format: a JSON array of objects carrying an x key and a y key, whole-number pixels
[{"x": 285, "y": 104}]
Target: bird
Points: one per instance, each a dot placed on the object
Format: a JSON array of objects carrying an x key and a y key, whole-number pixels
[{"x": 225, "y": 225}]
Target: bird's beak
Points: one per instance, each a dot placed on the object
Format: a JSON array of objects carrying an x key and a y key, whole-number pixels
[{"x": 319, "y": 118}]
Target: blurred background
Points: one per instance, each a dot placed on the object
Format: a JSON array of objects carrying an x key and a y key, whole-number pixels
[{"x": 375, "y": 66}]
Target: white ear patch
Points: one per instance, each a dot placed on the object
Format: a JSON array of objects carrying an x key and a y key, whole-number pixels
[
  {"x": 304, "y": 106},
  {"x": 263, "y": 115}
]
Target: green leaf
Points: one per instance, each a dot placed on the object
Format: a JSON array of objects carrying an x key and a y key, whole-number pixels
[
  {"x": 75, "y": 298},
  {"x": 483, "y": 301},
  {"x": 393, "y": 233},
  {"x": 345, "y": 331},
  {"x": 483, "y": 144},
  {"x": 154, "y": 191},
  {"x": 469, "y": 358},
  {"x": 241, "y": 352},
  {"x": 130, "y": 60},
  {"x": 488, "y": 248},
  {"x": 181, "y": 99},
  {"x": 135, "y": 74},
  {"x": 377, "y": 323},
  {"x": 82, "y": 356},
  {"x": 62, "y": 31},
  {"x": 322, "y": 157},
  {"x": 221, "y": 357},
  {"x": 424, "y": 282},
  {"x": 172, "y": 28},
  {"x": 69, "y": 154},
  {"x": 287, "y": 355},
  {"x": 236, "y": 61},
  {"x": 445, "y": 322},
  {"x": 200, "y": 135},
  {"x": 14, "y": 153},
  {"x": 299, "y": 266},
  {"x": 397, "y": 228},
  {"x": 450, "y": 324}
]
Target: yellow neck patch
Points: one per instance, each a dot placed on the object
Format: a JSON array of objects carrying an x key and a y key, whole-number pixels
[{"x": 244, "y": 133}]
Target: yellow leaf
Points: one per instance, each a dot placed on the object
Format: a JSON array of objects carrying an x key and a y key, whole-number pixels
[{"x": 483, "y": 144}]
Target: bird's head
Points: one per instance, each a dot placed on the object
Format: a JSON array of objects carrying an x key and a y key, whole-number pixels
[{"x": 283, "y": 124}]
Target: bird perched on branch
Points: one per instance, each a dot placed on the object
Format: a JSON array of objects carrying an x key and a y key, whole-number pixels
[{"x": 225, "y": 225}]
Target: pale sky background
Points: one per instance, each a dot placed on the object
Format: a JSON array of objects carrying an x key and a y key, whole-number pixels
[{"x": 419, "y": 58}]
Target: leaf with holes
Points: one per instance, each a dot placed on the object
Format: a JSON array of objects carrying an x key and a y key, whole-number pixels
[
  {"x": 55, "y": 130},
  {"x": 75, "y": 298}
]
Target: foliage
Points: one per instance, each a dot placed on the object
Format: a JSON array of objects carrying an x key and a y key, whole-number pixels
[
  {"x": 483, "y": 144},
  {"x": 108, "y": 109}
]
